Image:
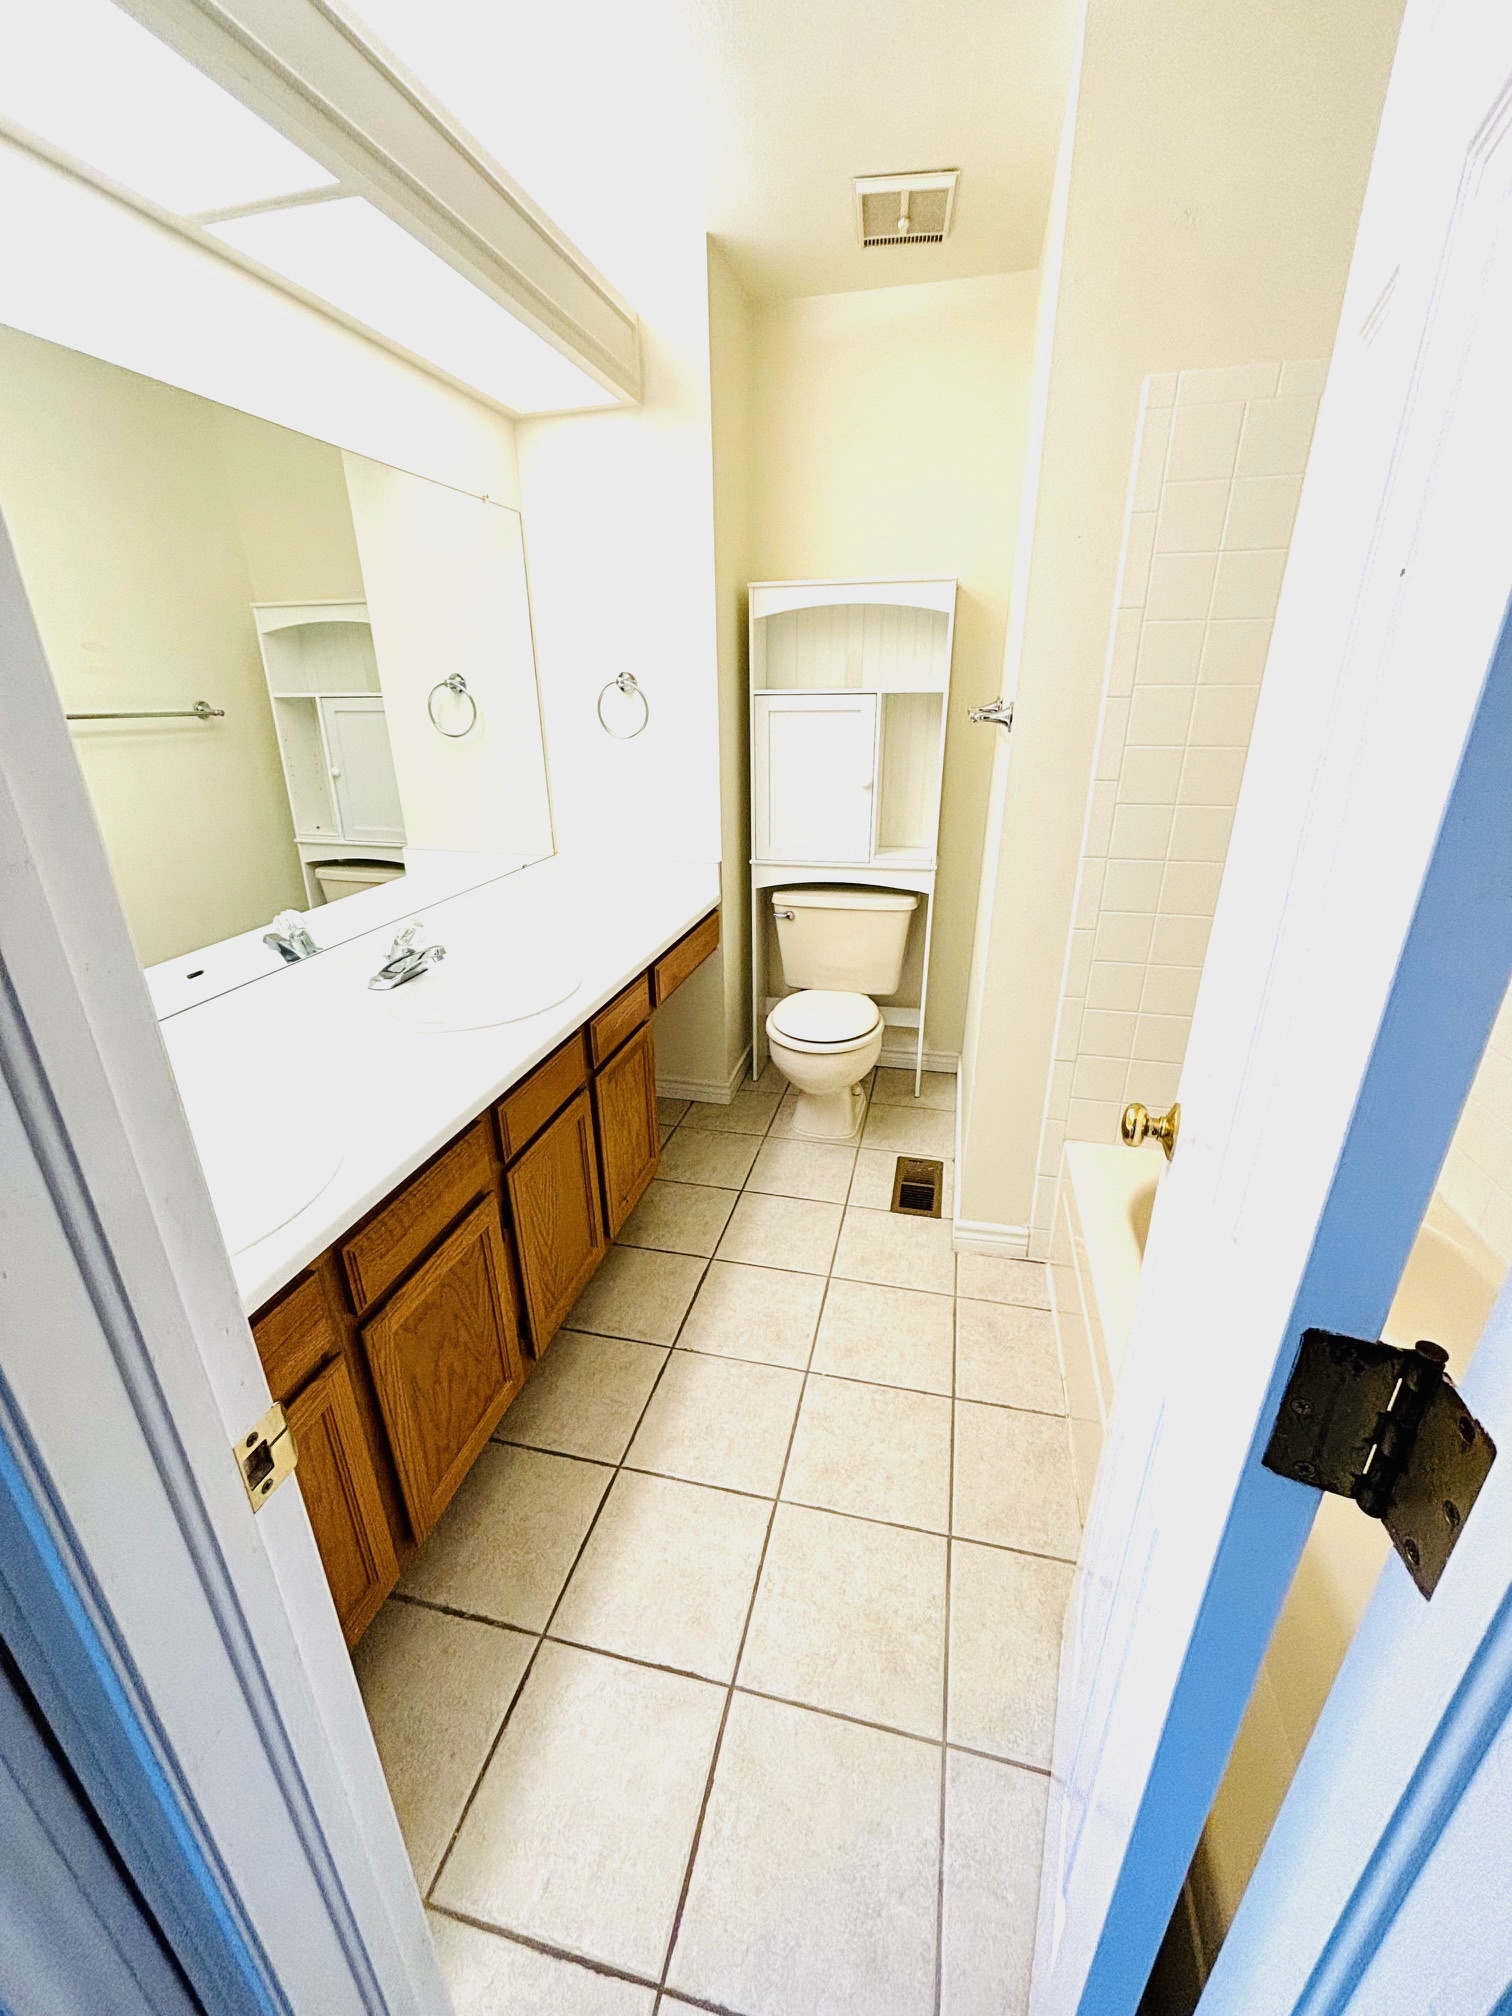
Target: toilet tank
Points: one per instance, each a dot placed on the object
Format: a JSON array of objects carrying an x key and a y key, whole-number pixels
[{"x": 851, "y": 940}]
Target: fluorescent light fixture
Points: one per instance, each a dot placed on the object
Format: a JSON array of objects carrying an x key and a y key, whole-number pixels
[
  {"x": 92, "y": 83},
  {"x": 349, "y": 255}
]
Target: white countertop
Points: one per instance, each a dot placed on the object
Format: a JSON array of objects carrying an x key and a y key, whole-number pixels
[{"x": 308, "y": 1074}]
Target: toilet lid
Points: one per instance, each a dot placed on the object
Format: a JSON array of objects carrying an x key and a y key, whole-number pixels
[{"x": 820, "y": 1016}]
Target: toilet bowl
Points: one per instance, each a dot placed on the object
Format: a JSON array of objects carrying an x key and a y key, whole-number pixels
[
  {"x": 824, "y": 1043},
  {"x": 839, "y": 947}
]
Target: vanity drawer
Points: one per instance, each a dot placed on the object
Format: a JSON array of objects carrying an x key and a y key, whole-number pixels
[
  {"x": 525, "y": 1111},
  {"x": 295, "y": 1337},
  {"x": 393, "y": 1239},
  {"x": 620, "y": 1019},
  {"x": 684, "y": 958}
]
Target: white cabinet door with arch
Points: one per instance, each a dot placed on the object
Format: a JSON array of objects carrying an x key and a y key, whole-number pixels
[
  {"x": 814, "y": 776},
  {"x": 362, "y": 772}
]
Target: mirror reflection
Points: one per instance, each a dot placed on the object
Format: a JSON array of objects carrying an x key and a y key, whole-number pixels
[{"x": 296, "y": 678}]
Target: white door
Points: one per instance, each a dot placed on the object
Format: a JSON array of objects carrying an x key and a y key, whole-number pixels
[
  {"x": 1362, "y": 944},
  {"x": 814, "y": 760},
  {"x": 362, "y": 772}
]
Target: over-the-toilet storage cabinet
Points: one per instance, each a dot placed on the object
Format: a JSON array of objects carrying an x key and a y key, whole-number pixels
[{"x": 850, "y": 681}]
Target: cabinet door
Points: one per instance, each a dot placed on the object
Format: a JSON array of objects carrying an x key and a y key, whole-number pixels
[
  {"x": 341, "y": 1496},
  {"x": 362, "y": 771},
  {"x": 815, "y": 761},
  {"x": 559, "y": 1227},
  {"x": 445, "y": 1358},
  {"x": 624, "y": 1103}
]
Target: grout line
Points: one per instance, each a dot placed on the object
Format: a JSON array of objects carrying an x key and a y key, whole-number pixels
[{"x": 603, "y": 1968}]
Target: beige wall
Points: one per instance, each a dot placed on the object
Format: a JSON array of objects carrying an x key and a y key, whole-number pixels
[
  {"x": 116, "y": 497},
  {"x": 289, "y": 496},
  {"x": 888, "y": 440},
  {"x": 1217, "y": 162}
]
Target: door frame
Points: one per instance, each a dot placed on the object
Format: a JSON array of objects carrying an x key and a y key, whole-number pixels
[{"x": 187, "y": 1655}]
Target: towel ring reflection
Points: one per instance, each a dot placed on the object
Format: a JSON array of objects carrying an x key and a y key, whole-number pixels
[
  {"x": 456, "y": 684},
  {"x": 625, "y": 683}
]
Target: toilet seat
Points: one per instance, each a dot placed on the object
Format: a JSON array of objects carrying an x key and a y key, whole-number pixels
[{"x": 821, "y": 1019}]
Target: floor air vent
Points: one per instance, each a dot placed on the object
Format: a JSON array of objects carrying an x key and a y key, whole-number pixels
[{"x": 917, "y": 1185}]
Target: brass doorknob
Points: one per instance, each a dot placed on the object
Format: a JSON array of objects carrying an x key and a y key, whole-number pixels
[{"x": 1140, "y": 1124}]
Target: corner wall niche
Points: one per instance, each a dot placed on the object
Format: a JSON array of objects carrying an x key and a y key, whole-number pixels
[{"x": 849, "y": 685}]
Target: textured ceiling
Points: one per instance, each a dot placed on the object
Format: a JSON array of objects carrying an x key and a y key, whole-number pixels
[{"x": 753, "y": 115}]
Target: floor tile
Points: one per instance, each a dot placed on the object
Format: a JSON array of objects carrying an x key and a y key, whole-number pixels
[
  {"x": 851, "y": 1616},
  {"x": 636, "y": 1293},
  {"x": 910, "y": 1130},
  {"x": 749, "y": 1112},
  {"x": 506, "y": 1543},
  {"x": 721, "y": 1159},
  {"x": 896, "y": 1088},
  {"x": 782, "y": 1232},
  {"x": 670, "y": 1111},
  {"x": 667, "y": 1575},
  {"x": 766, "y": 1313},
  {"x": 815, "y": 1886},
  {"x": 994, "y": 1839},
  {"x": 580, "y": 1831},
  {"x": 872, "y": 1450},
  {"x": 986, "y": 1277},
  {"x": 817, "y": 1169},
  {"x": 1007, "y": 1354},
  {"x": 896, "y": 1252},
  {"x": 876, "y": 1170},
  {"x": 719, "y": 1421},
  {"x": 487, "y": 1975},
  {"x": 679, "y": 1218},
  {"x": 1013, "y": 1482},
  {"x": 892, "y": 1336},
  {"x": 436, "y": 1689},
  {"x": 1006, "y": 1613},
  {"x": 585, "y": 1396}
]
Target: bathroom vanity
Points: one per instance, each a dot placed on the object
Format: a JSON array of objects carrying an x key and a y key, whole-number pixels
[{"x": 397, "y": 1346}]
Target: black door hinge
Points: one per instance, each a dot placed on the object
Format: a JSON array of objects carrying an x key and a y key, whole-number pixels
[{"x": 1386, "y": 1428}]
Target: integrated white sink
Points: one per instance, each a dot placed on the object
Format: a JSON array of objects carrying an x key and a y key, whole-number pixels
[{"x": 468, "y": 992}]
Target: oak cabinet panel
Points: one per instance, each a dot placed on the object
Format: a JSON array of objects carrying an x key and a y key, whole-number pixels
[
  {"x": 295, "y": 1336},
  {"x": 525, "y": 1111},
  {"x": 624, "y": 1015},
  {"x": 559, "y": 1226},
  {"x": 377, "y": 1253},
  {"x": 341, "y": 1496},
  {"x": 445, "y": 1358},
  {"x": 681, "y": 960},
  {"x": 624, "y": 1100}
]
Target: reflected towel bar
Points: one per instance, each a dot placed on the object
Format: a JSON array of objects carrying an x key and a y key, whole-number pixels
[{"x": 200, "y": 711}]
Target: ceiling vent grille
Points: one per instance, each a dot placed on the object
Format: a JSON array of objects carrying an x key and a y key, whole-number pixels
[{"x": 905, "y": 209}]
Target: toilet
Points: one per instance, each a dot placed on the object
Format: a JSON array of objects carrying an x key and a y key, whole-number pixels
[{"x": 839, "y": 947}]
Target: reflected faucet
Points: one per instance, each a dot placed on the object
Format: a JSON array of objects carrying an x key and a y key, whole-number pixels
[
  {"x": 406, "y": 960},
  {"x": 289, "y": 938}
]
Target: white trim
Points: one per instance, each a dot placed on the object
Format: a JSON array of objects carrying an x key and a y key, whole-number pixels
[
  {"x": 982, "y": 1235},
  {"x": 710, "y": 1091},
  {"x": 899, "y": 1057}
]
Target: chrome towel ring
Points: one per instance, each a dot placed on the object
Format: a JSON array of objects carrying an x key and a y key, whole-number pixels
[
  {"x": 457, "y": 685},
  {"x": 625, "y": 683}
]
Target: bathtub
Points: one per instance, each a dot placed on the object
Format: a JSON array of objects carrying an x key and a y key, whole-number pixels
[{"x": 1104, "y": 1204}]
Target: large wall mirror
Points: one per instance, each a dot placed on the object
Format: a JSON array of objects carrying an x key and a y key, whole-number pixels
[{"x": 357, "y": 641}]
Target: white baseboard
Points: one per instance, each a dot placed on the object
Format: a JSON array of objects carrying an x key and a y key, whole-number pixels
[
  {"x": 712, "y": 1091},
  {"x": 981, "y": 1235},
  {"x": 900, "y": 1057}
]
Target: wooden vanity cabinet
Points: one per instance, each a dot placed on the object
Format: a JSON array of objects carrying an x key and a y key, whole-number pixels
[
  {"x": 629, "y": 1140},
  {"x": 445, "y": 1357},
  {"x": 301, "y": 1341},
  {"x": 553, "y": 1190}
]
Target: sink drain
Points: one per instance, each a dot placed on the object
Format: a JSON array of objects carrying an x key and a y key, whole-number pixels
[{"x": 917, "y": 1187}]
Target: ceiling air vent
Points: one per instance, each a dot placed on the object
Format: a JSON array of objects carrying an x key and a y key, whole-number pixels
[{"x": 905, "y": 209}]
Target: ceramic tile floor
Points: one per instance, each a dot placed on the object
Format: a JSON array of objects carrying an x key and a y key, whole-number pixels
[{"x": 727, "y": 1682}]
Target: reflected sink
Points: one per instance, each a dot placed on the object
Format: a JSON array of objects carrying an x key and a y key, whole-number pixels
[{"x": 467, "y": 992}]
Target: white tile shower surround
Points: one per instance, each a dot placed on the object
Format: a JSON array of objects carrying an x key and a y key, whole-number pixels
[
  {"x": 1218, "y": 463},
  {"x": 769, "y": 1560}
]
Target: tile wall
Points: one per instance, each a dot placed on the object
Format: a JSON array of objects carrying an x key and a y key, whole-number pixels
[{"x": 1218, "y": 463}]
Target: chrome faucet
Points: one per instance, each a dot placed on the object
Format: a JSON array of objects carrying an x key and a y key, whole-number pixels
[
  {"x": 289, "y": 938},
  {"x": 406, "y": 960}
]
